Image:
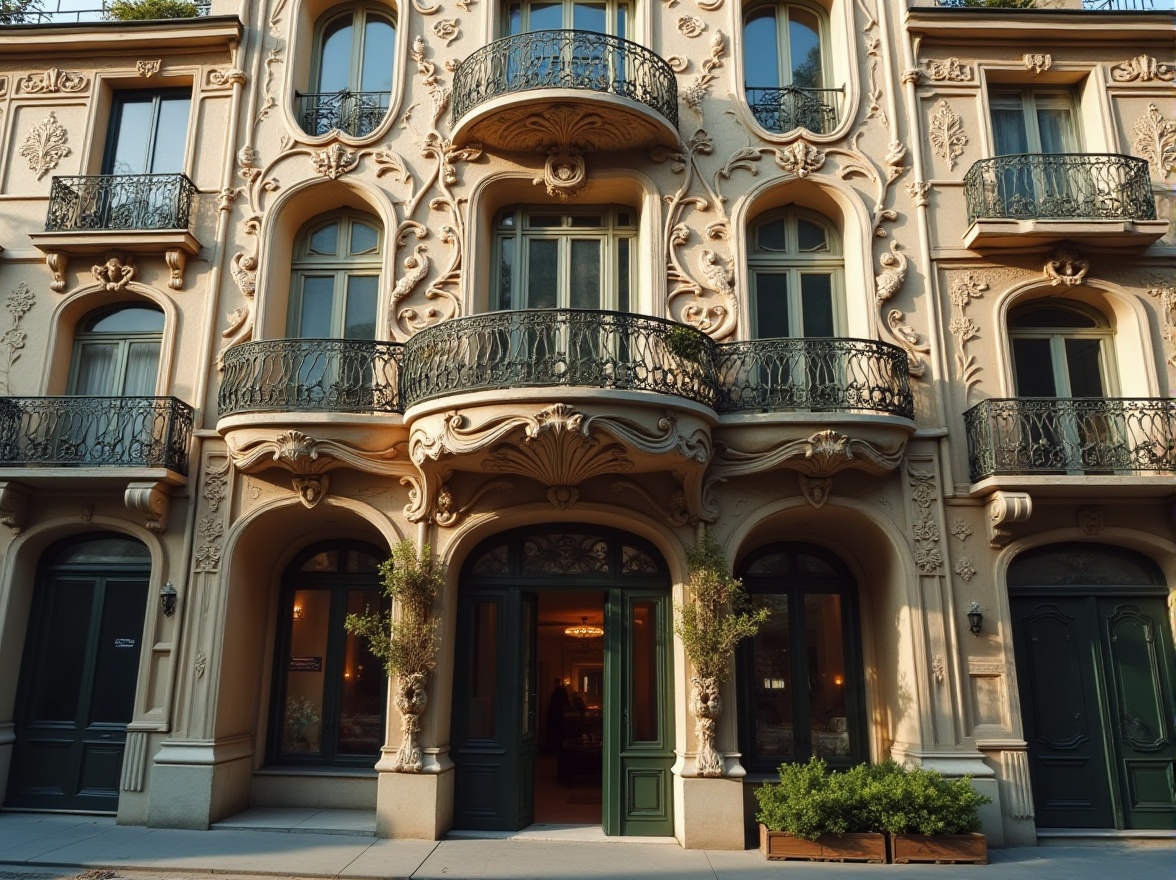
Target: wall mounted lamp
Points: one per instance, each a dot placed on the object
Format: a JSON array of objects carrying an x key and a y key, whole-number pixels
[
  {"x": 975, "y": 619},
  {"x": 167, "y": 598},
  {"x": 297, "y": 612}
]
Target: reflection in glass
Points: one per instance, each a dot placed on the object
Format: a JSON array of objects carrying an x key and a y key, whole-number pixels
[
  {"x": 483, "y": 670},
  {"x": 771, "y": 681},
  {"x": 644, "y": 672},
  {"x": 361, "y": 715},
  {"x": 826, "y": 675},
  {"x": 302, "y": 717}
]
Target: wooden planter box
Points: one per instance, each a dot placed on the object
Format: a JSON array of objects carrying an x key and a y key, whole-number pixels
[
  {"x": 827, "y": 848},
  {"x": 949, "y": 849}
]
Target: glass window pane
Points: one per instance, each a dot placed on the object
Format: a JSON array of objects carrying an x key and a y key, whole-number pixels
[
  {"x": 364, "y": 239},
  {"x": 62, "y": 650},
  {"x": 116, "y": 665},
  {"x": 483, "y": 670},
  {"x": 770, "y": 236},
  {"x": 1084, "y": 364},
  {"x": 586, "y": 221},
  {"x": 132, "y": 320},
  {"x": 542, "y": 274},
  {"x": 325, "y": 240},
  {"x": 761, "y": 52},
  {"x": 771, "y": 306},
  {"x": 529, "y": 696},
  {"x": 1056, "y": 130},
  {"x": 1050, "y": 316},
  {"x": 816, "y": 303},
  {"x": 590, "y": 17},
  {"x": 1033, "y": 365},
  {"x": 95, "y": 371},
  {"x": 506, "y": 268},
  {"x": 811, "y": 237},
  {"x": 105, "y": 550},
  {"x": 645, "y": 687},
  {"x": 378, "y": 47},
  {"x": 623, "y": 275},
  {"x": 515, "y": 19},
  {"x": 132, "y": 138},
  {"x": 544, "y": 221},
  {"x": 335, "y": 57},
  {"x": 361, "y": 703},
  {"x": 328, "y": 560},
  {"x": 141, "y": 370},
  {"x": 804, "y": 38},
  {"x": 825, "y": 653},
  {"x": 360, "y": 562},
  {"x": 360, "y": 317},
  {"x": 1008, "y": 125},
  {"x": 771, "y": 681},
  {"x": 318, "y": 297},
  {"x": 546, "y": 17},
  {"x": 171, "y": 136},
  {"x": 302, "y": 714},
  {"x": 585, "y": 275}
]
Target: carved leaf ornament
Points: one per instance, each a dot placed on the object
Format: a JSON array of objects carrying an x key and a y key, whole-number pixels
[{"x": 947, "y": 134}]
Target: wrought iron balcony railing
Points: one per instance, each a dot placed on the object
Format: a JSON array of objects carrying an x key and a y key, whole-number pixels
[
  {"x": 311, "y": 375},
  {"x": 783, "y": 109},
  {"x": 1083, "y": 435},
  {"x": 71, "y": 12},
  {"x": 121, "y": 201},
  {"x": 354, "y": 113},
  {"x": 1060, "y": 186},
  {"x": 1112, "y": 5},
  {"x": 138, "y": 432},
  {"x": 813, "y": 375},
  {"x": 565, "y": 59},
  {"x": 559, "y": 347}
]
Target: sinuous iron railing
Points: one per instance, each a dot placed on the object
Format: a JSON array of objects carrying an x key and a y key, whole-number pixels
[
  {"x": 783, "y": 109},
  {"x": 565, "y": 59},
  {"x": 1060, "y": 186},
  {"x": 1078, "y": 435},
  {"x": 70, "y": 12},
  {"x": 311, "y": 375},
  {"x": 145, "y": 432},
  {"x": 1111, "y": 5},
  {"x": 813, "y": 375},
  {"x": 120, "y": 201},
  {"x": 353, "y": 113},
  {"x": 558, "y": 347}
]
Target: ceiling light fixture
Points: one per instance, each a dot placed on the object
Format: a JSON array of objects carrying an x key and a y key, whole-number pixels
[{"x": 584, "y": 630}]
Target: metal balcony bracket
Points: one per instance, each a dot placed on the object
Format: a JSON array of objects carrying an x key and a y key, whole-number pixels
[
  {"x": 153, "y": 499},
  {"x": 14, "y": 505},
  {"x": 1004, "y": 509}
]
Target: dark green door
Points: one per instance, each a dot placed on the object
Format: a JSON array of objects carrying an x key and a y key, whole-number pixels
[
  {"x": 495, "y": 711},
  {"x": 1096, "y": 679},
  {"x": 77, "y": 686},
  {"x": 638, "y": 748}
]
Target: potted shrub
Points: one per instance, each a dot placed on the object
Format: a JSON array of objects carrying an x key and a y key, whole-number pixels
[
  {"x": 929, "y": 818},
  {"x": 818, "y": 816}
]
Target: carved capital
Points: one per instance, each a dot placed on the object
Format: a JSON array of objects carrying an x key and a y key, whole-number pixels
[
  {"x": 152, "y": 499},
  {"x": 14, "y": 505},
  {"x": 1004, "y": 509}
]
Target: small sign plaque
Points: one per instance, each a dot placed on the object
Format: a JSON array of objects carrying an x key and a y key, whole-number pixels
[
  {"x": 306, "y": 664},
  {"x": 124, "y": 643}
]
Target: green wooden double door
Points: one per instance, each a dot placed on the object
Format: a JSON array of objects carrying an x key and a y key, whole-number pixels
[
  {"x": 496, "y": 710},
  {"x": 1096, "y": 674}
]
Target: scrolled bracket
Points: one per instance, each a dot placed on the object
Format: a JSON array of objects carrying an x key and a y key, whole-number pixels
[
  {"x": 1004, "y": 509},
  {"x": 14, "y": 506},
  {"x": 152, "y": 499}
]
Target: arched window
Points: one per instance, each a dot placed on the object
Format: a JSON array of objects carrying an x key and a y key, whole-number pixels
[
  {"x": 549, "y": 259},
  {"x": 329, "y": 689},
  {"x": 797, "y": 274},
  {"x": 351, "y": 81},
  {"x": 116, "y": 352},
  {"x": 800, "y": 678},
  {"x": 336, "y": 278},
  {"x": 1060, "y": 349},
  {"x": 785, "y": 67},
  {"x": 610, "y": 17}
]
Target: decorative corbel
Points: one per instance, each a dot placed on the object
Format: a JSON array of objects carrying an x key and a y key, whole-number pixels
[
  {"x": 1004, "y": 509},
  {"x": 14, "y": 505},
  {"x": 57, "y": 262},
  {"x": 816, "y": 490},
  {"x": 176, "y": 261},
  {"x": 311, "y": 488},
  {"x": 152, "y": 499}
]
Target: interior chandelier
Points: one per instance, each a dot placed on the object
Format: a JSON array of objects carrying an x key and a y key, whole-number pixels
[{"x": 584, "y": 630}]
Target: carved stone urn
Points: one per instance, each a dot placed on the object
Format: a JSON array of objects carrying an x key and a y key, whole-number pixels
[{"x": 410, "y": 700}]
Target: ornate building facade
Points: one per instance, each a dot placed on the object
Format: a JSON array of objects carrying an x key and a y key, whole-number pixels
[{"x": 881, "y": 296}]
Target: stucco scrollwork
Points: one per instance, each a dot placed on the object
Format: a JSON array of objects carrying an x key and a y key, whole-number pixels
[
  {"x": 151, "y": 498},
  {"x": 1004, "y": 509},
  {"x": 1037, "y": 63},
  {"x": 334, "y": 161},
  {"x": 114, "y": 274},
  {"x": 964, "y": 569},
  {"x": 1155, "y": 140},
  {"x": 45, "y": 145},
  {"x": 946, "y": 131},
  {"x": 14, "y": 505},
  {"x": 918, "y": 191},
  {"x": 691, "y": 26},
  {"x": 694, "y": 94},
  {"x": 1165, "y": 294},
  {"x": 1065, "y": 268},
  {"x": 447, "y": 29},
  {"x": 226, "y": 77},
  {"x": 1142, "y": 68},
  {"x": 52, "y": 80},
  {"x": 948, "y": 70},
  {"x": 800, "y": 159}
]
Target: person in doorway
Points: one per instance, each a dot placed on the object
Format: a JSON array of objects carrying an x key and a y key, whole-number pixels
[{"x": 557, "y": 706}]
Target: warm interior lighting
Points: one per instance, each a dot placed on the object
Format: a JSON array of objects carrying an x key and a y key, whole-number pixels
[
  {"x": 584, "y": 630},
  {"x": 298, "y": 612},
  {"x": 838, "y": 680}
]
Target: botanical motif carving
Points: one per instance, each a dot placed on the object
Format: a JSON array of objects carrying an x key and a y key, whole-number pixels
[
  {"x": 918, "y": 190},
  {"x": 691, "y": 26},
  {"x": 211, "y": 528},
  {"x": 410, "y": 700},
  {"x": 147, "y": 69},
  {"x": 200, "y": 664},
  {"x": 226, "y": 77},
  {"x": 888, "y": 282},
  {"x": 963, "y": 289},
  {"x": 1155, "y": 140},
  {"x": 447, "y": 29},
  {"x": 1064, "y": 267},
  {"x": 938, "y": 670},
  {"x": 334, "y": 161},
  {"x": 564, "y": 174},
  {"x": 52, "y": 80},
  {"x": 925, "y": 528},
  {"x": 693, "y": 96},
  {"x": 114, "y": 274},
  {"x": 707, "y": 704},
  {"x": 1165, "y": 294},
  {"x": 45, "y": 146},
  {"x": 1037, "y": 63},
  {"x": 964, "y": 569},
  {"x": 1143, "y": 68},
  {"x": 818, "y": 456},
  {"x": 946, "y": 131},
  {"x": 800, "y": 159},
  {"x": 18, "y": 302},
  {"x": 960, "y": 530},
  {"x": 1090, "y": 521},
  {"x": 948, "y": 70}
]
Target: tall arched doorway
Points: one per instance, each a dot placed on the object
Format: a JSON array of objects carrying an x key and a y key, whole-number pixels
[
  {"x": 79, "y": 674},
  {"x": 1095, "y": 670},
  {"x": 562, "y": 693}
]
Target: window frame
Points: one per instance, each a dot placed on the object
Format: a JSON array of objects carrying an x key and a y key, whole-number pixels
[
  {"x": 123, "y": 339},
  {"x": 1029, "y": 100},
  {"x": 359, "y": 13},
  {"x": 784, "y": 44},
  {"x": 616, "y": 25},
  {"x": 305, "y": 265},
  {"x": 1057, "y": 336},
  {"x": 119, "y": 100}
]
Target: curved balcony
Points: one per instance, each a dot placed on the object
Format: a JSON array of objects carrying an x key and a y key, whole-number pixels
[
  {"x": 813, "y": 375},
  {"x": 1031, "y": 198},
  {"x": 1037, "y": 436},
  {"x": 780, "y": 110},
  {"x": 357, "y": 114},
  {"x": 311, "y": 376},
  {"x": 569, "y": 348},
  {"x": 574, "y": 89}
]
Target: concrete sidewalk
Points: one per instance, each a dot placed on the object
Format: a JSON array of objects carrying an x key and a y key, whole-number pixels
[{"x": 53, "y": 847}]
